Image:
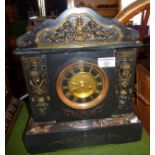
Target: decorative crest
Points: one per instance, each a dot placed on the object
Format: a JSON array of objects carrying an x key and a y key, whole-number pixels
[{"x": 77, "y": 27}]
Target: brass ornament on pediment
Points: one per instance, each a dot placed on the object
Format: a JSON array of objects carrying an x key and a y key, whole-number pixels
[{"x": 78, "y": 30}]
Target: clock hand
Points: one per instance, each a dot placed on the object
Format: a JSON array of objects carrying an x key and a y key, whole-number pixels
[
  {"x": 77, "y": 84},
  {"x": 73, "y": 83},
  {"x": 81, "y": 84}
]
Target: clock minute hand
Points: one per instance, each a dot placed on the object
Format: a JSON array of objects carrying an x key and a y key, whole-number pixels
[{"x": 73, "y": 83}]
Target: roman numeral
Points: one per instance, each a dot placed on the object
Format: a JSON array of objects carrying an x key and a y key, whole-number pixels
[
  {"x": 91, "y": 97},
  {"x": 99, "y": 83},
  {"x": 81, "y": 68},
  {"x": 65, "y": 78},
  {"x": 68, "y": 94},
  {"x": 75, "y": 99},
  {"x": 65, "y": 87},
  {"x": 83, "y": 100},
  {"x": 90, "y": 70},
  {"x": 72, "y": 72},
  {"x": 97, "y": 76},
  {"x": 97, "y": 91}
]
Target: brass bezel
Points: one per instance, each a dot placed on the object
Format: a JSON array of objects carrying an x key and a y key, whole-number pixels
[{"x": 85, "y": 105}]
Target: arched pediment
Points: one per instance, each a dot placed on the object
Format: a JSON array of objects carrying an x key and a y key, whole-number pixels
[{"x": 77, "y": 27}]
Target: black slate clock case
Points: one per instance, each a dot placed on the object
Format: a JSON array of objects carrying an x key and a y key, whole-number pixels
[
  {"x": 107, "y": 107},
  {"x": 78, "y": 34}
]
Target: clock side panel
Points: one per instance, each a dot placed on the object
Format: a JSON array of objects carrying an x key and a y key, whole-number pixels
[
  {"x": 36, "y": 77},
  {"x": 125, "y": 80}
]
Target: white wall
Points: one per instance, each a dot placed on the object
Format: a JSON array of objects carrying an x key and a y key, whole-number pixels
[{"x": 137, "y": 18}]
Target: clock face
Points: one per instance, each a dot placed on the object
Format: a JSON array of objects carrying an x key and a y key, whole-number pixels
[{"x": 82, "y": 85}]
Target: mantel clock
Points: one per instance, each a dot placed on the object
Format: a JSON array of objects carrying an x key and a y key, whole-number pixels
[{"x": 79, "y": 70}]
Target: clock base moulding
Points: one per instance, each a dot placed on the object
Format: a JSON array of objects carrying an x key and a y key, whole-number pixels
[{"x": 48, "y": 136}]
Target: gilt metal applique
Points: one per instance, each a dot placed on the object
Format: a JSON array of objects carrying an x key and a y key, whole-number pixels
[
  {"x": 36, "y": 74},
  {"x": 78, "y": 30},
  {"x": 125, "y": 79}
]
